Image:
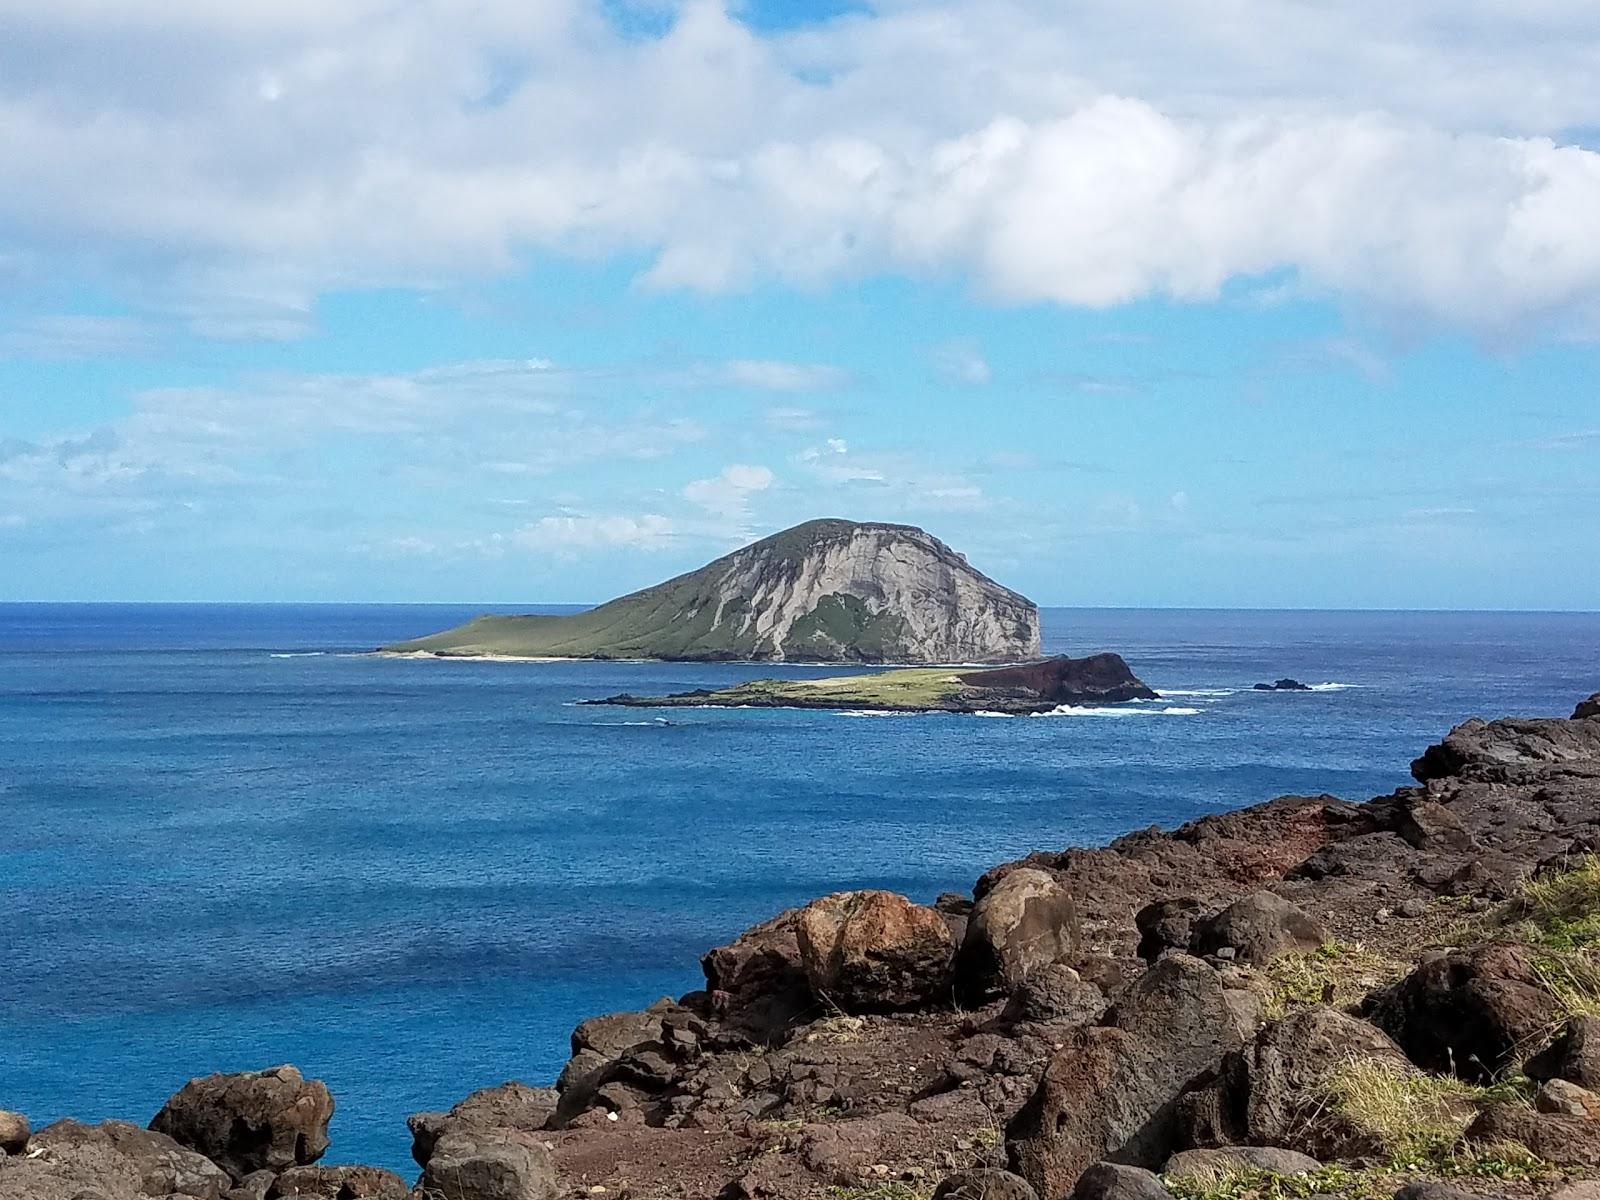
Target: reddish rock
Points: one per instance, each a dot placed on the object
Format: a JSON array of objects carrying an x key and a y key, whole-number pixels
[
  {"x": 1026, "y": 920},
  {"x": 873, "y": 951}
]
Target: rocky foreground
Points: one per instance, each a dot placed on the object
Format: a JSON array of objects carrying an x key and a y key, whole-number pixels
[{"x": 1306, "y": 998}]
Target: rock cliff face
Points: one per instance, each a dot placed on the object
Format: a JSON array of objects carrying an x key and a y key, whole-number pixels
[{"x": 825, "y": 591}]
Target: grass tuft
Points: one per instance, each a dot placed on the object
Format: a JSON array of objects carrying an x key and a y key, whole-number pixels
[
  {"x": 1417, "y": 1118},
  {"x": 1557, "y": 911},
  {"x": 1334, "y": 973}
]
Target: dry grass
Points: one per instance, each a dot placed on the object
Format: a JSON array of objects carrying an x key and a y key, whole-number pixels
[
  {"x": 1412, "y": 1115},
  {"x": 1334, "y": 973}
]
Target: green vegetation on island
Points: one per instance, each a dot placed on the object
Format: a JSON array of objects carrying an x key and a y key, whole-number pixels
[{"x": 824, "y": 591}]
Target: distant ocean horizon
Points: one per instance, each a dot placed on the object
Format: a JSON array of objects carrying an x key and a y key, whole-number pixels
[{"x": 232, "y": 837}]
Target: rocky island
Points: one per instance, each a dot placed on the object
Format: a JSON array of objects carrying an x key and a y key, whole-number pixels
[
  {"x": 1307, "y": 998},
  {"x": 1027, "y": 688},
  {"x": 824, "y": 591}
]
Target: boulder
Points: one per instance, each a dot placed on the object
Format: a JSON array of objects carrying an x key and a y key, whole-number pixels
[
  {"x": 1113, "y": 1181},
  {"x": 1054, "y": 992},
  {"x": 874, "y": 951},
  {"x": 1233, "y": 1160},
  {"x": 1258, "y": 929},
  {"x": 1024, "y": 921},
  {"x": 1431, "y": 1189},
  {"x": 253, "y": 1186},
  {"x": 1574, "y": 1055},
  {"x": 757, "y": 980},
  {"x": 1280, "y": 1081},
  {"x": 1167, "y": 925},
  {"x": 159, "y": 1166},
  {"x": 252, "y": 1121},
  {"x": 984, "y": 1185},
  {"x": 1110, "y": 1091},
  {"x": 1468, "y": 1011},
  {"x": 1567, "y": 1099},
  {"x": 476, "y": 1164},
  {"x": 14, "y": 1131},
  {"x": 1587, "y": 708},
  {"x": 339, "y": 1183},
  {"x": 1561, "y": 1140}
]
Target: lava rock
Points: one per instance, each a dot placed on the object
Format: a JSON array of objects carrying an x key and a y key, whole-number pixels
[
  {"x": 1467, "y": 1011},
  {"x": 984, "y": 1185},
  {"x": 14, "y": 1131},
  {"x": 339, "y": 1183},
  {"x": 252, "y": 1121},
  {"x": 1562, "y": 1140},
  {"x": 1024, "y": 921},
  {"x": 1113, "y": 1181},
  {"x": 159, "y": 1164},
  {"x": 1567, "y": 1099},
  {"x": 476, "y": 1164},
  {"x": 1167, "y": 925},
  {"x": 874, "y": 951},
  {"x": 1054, "y": 992},
  {"x": 1110, "y": 1091},
  {"x": 1258, "y": 929},
  {"x": 757, "y": 980},
  {"x": 1283, "y": 685},
  {"x": 1574, "y": 1055},
  {"x": 1587, "y": 708}
]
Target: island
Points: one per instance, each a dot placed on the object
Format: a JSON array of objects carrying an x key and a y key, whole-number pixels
[
  {"x": 1018, "y": 690},
  {"x": 826, "y": 591},
  {"x": 1283, "y": 685}
]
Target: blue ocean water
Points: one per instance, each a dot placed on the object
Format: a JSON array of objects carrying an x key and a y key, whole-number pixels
[{"x": 228, "y": 839}]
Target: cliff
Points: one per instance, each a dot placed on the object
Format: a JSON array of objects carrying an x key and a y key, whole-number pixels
[{"x": 825, "y": 591}]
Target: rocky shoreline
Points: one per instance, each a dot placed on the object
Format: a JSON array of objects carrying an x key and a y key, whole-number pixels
[{"x": 1309, "y": 997}]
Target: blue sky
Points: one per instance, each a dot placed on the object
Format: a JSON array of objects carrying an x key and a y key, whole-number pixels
[{"x": 498, "y": 302}]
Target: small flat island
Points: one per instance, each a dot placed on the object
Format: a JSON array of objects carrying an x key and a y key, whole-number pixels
[{"x": 1018, "y": 690}]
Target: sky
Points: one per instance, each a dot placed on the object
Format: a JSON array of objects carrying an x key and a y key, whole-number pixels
[{"x": 1244, "y": 303}]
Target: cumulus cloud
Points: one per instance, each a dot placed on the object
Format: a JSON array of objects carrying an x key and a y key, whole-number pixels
[
  {"x": 727, "y": 494},
  {"x": 228, "y": 163}
]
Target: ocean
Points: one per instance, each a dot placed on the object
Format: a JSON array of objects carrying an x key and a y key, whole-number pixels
[{"x": 229, "y": 838}]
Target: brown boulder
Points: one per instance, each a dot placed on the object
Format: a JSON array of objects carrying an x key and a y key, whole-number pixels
[
  {"x": 1024, "y": 921},
  {"x": 1283, "y": 1079},
  {"x": 984, "y": 1185},
  {"x": 873, "y": 951},
  {"x": 757, "y": 979},
  {"x": 1574, "y": 1055},
  {"x": 1054, "y": 992},
  {"x": 14, "y": 1131},
  {"x": 1258, "y": 929},
  {"x": 1235, "y": 1160},
  {"x": 1562, "y": 1140},
  {"x": 1111, "y": 1091},
  {"x": 339, "y": 1183},
  {"x": 252, "y": 1121},
  {"x": 156, "y": 1164},
  {"x": 1114, "y": 1181},
  {"x": 1473, "y": 1012},
  {"x": 1167, "y": 925},
  {"x": 1567, "y": 1099},
  {"x": 476, "y": 1164}
]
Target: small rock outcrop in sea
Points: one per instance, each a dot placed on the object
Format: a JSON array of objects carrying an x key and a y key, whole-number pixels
[
  {"x": 1283, "y": 685},
  {"x": 1028, "y": 688},
  {"x": 1587, "y": 708},
  {"x": 825, "y": 591},
  {"x": 1368, "y": 997}
]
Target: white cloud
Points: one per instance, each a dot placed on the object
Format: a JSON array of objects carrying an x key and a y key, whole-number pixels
[
  {"x": 783, "y": 376},
  {"x": 76, "y": 336},
  {"x": 229, "y": 165},
  {"x": 648, "y": 532},
  {"x": 962, "y": 362},
  {"x": 728, "y": 493}
]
